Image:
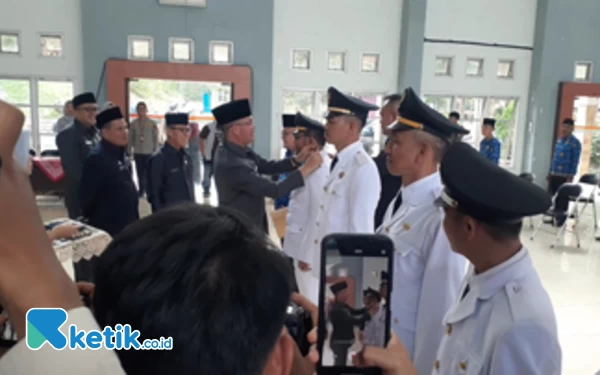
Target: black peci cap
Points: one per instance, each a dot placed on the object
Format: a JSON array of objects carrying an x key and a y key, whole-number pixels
[
  {"x": 304, "y": 123},
  {"x": 108, "y": 115},
  {"x": 339, "y": 104},
  {"x": 289, "y": 121},
  {"x": 232, "y": 111},
  {"x": 173, "y": 119},
  {"x": 85, "y": 98},
  {"x": 454, "y": 114},
  {"x": 338, "y": 287},
  {"x": 489, "y": 121},
  {"x": 568, "y": 121},
  {"x": 485, "y": 191},
  {"x": 414, "y": 114}
]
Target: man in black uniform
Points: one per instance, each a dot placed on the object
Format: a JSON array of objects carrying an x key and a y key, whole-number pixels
[
  {"x": 389, "y": 184},
  {"x": 74, "y": 145},
  {"x": 109, "y": 198},
  {"x": 344, "y": 319},
  {"x": 170, "y": 175},
  {"x": 238, "y": 169}
]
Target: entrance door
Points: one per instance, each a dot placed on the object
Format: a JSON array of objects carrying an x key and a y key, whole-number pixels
[{"x": 586, "y": 114}]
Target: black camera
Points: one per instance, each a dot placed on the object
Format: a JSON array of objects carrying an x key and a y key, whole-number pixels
[{"x": 299, "y": 323}]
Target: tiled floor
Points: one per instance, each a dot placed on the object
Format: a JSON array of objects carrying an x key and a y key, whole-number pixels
[{"x": 571, "y": 276}]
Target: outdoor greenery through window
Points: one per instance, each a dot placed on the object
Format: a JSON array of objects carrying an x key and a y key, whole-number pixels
[
  {"x": 472, "y": 112},
  {"x": 51, "y": 45}
]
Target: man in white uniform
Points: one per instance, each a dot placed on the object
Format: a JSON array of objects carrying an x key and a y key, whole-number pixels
[
  {"x": 304, "y": 206},
  {"x": 504, "y": 322},
  {"x": 427, "y": 274},
  {"x": 352, "y": 190},
  {"x": 374, "y": 333}
]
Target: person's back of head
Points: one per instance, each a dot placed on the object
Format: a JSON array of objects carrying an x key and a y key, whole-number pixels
[{"x": 205, "y": 277}]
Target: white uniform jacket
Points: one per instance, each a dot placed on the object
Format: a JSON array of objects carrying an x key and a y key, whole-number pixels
[
  {"x": 351, "y": 193},
  {"x": 303, "y": 208},
  {"x": 427, "y": 273},
  {"x": 505, "y": 324}
]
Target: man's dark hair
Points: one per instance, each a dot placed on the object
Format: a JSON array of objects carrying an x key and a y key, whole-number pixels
[
  {"x": 393, "y": 98},
  {"x": 498, "y": 232},
  {"x": 141, "y": 104},
  {"x": 204, "y": 276},
  {"x": 318, "y": 136},
  {"x": 455, "y": 115},
  {"x": 568, "y": 121}
]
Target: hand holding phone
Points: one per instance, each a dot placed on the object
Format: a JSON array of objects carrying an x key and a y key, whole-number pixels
[{"x": 355, "y": 279}]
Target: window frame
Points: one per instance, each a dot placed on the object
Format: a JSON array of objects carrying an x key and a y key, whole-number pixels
[
  {"x": 344, "y": 61},
  {"x": 378, "y": 65},
  {"x": 449, "y": 72},
  {"x": 190, "y": 42},
  {"x": 512, "y": 63},
  {"x": 310, "y": 58},
  {"x": 480, "y": 72},
  {"x": 61, "y": 36},
  {"x": 19, "y": 44},
  {"x": 590, "y": 71},
  {"x": 211, "y": 54},
  {"x": 133, "y": 38}
]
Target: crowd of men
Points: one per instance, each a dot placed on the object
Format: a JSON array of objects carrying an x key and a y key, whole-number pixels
[{"x": 443, "y": 204}]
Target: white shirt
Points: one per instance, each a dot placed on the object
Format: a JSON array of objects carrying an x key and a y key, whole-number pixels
[
  {"x": 48, "y": 361},
  {"x": 351, "y": 194},
  {"x": 374, "y": 333},
  {"x": 505, "y": 324},
  {"x": 427, "y": 273},
  {"x": 302, "y": 209}
]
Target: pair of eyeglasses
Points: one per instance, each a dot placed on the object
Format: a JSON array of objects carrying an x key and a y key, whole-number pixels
[{"x": 88, "y": 109}]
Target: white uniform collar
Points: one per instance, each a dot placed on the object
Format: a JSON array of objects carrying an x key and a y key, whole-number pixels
[
  {"x": 348, "y": 153},
  {"x": 485, "y": 285},
  {"x": 422, "y": 189}
]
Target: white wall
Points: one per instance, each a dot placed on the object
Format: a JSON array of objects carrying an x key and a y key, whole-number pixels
[
  {"x": 509, "y": 22},
  {"x": 489, "y": 21},
  {"x": 353, "y": 26},
  {"x": 31, "y": 17}
]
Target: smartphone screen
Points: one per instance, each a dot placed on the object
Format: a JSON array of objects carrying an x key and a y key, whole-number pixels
[{"x": 354, "y": 301}]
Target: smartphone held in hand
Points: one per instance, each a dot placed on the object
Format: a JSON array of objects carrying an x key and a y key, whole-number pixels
[{"x": 354, "y": 305}]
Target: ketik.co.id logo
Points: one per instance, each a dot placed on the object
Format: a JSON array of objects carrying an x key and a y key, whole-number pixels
[{"x": 43, "y": 326}]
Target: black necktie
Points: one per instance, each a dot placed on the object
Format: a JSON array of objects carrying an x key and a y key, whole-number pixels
[
  {"x": 465, "y": 292},
  {"x": 397, "y": 203},
  {"x": 333, "y": 163}
]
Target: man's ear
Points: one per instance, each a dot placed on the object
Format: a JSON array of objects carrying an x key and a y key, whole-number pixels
[
  {"x": 282, "y": 356},
  {"x": 471, "y": 227}
]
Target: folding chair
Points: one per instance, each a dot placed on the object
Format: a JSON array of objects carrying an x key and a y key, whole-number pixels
[
  {"x": 589, "y": 184},
  {"x": 567, "y": 192},
  {"x": 530, "y": 178}
]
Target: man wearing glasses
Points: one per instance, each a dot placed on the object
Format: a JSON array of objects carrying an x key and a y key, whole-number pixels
[
  {"x": 74, "y": 145},
  {"x": 170, "y": 176}
]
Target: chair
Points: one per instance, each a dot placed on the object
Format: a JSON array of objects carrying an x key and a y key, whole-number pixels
[
  {"x": 566, "y": 193},
  {"x": 589, "y": 184},
  {"x": 529, "y": 177}
]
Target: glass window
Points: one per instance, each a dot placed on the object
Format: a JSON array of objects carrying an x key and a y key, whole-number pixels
[
  {"x": 506, "y": 69},
  {"x": 442, "y": 104},
  {"x": 443, "y": 66},
  {"x": 369, "y": 63},
  {"x": 301, "y": 59},
  {"x": 583, "y": 71},
  {"x": 221, "y": 53},
  {"x": 52, "y": 96},
  {"x": 336, "y": 61},
  {"x": 294, "y": 101},
  {"x": 51, "y": 45},
  {"x": 475, "y": 67},
  {"x": 503, "y": 110},
  {"x": 471, "y": 116},
  {"x": 18, "y": 92},
  {"x": 181, "y": 50},
  {"x": 141, "y": 48},
  {"x": 9, "y": 42}
]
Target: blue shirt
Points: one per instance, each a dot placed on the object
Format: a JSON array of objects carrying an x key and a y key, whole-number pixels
[
  {"x": 490, "y": 148},
  {"x": 285, "y": 200},
  {"x": 566, "y": 156}
]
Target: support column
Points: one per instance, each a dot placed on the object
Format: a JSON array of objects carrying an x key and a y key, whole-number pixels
[{"x": 411, "y": 44}]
